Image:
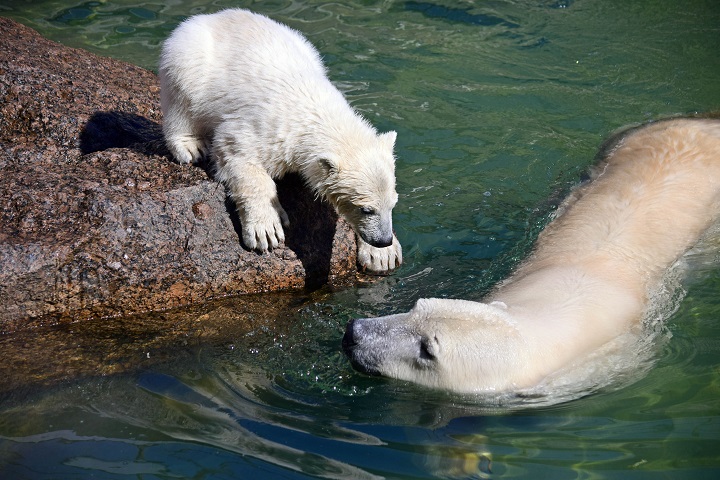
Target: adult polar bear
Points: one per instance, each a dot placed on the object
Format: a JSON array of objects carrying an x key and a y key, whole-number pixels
[
  {"x": 656, "y": 190},
  {"x": 256, "y": 93}
]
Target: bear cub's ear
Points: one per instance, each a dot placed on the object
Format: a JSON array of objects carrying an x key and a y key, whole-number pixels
[
  {"x": 330, "y": 163},
  {"x": 388, "y": 139}
]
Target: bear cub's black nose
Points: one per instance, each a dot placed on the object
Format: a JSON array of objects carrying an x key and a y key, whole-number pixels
[{"x": 382, "y": 243}]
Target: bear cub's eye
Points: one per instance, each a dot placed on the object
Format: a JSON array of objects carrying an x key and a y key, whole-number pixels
[{"x": 367, "y": 210}]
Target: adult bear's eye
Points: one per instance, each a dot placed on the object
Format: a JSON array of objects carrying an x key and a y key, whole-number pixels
[
  {"x": 426, "y": 349},
  {"x": 367, "y": 210}
]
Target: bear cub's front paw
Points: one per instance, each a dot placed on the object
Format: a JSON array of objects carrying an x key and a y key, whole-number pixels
[
  {"x": 263, "y": 230},
  {"x": 379, "y": 260}
]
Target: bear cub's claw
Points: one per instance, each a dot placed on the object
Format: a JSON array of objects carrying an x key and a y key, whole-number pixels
[{"x": 263, "y": 237}]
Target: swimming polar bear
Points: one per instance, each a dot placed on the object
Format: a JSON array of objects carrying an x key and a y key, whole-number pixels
[
  {"x": 256, "y": 93},
  {"x": 656, "y": 190}
]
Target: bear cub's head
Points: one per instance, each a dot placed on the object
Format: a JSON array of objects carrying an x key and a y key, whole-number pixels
[{"x": 360, "y": 183}]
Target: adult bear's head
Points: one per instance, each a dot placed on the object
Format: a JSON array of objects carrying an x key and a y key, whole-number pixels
[{"x": 451, "y": 344}]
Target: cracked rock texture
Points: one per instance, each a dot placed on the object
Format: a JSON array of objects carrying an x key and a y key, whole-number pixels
[{"x": 95, "y": 218}]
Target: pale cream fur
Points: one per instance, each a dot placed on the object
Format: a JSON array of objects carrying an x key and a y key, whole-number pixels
[{"x": 587, "y": 282}]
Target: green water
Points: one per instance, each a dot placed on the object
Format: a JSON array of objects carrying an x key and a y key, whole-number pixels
[{"x": 499, "y": 108}]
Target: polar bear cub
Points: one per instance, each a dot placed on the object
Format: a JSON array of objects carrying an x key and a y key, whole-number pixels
[
  {"x": 256, "y": 94},
  {"x": 655, "y": 193}
]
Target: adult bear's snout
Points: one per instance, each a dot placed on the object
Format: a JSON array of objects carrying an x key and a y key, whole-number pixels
[
  {"x": 355, "y": 353},
  {"x": 370, "y": 342}
]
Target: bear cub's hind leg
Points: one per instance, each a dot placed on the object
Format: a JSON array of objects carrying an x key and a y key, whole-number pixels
[
  {"x": 186, "y": 142},
  {"x": 187, "y": 148}
]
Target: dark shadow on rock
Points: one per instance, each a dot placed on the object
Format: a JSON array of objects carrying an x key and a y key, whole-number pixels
[
  {"x": 311, "y": 231},
  {"x": 117, "y": 129},
  {"x": 105, "y": 130}
]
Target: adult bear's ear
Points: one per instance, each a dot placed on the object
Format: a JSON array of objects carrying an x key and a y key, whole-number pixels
[{"x": 389, "y": 139}]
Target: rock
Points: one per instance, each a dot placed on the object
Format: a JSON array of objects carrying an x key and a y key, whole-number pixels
[{"x": 96, "y": 220}]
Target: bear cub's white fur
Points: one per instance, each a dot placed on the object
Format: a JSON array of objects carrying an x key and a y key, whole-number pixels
[{"x": 255, "y": 93}]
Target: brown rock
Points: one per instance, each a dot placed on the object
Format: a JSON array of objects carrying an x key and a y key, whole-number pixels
[{"x": 96, "y": 220}]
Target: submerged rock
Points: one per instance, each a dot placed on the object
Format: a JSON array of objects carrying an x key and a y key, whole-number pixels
[
  {"x": 96, "y": 220},
  {"x": 36, "y": 358}
]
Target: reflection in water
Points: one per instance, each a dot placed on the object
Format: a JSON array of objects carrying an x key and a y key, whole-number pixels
[
  {"x": 198, "y": 412},
  {"x": 461, "y": 15}
]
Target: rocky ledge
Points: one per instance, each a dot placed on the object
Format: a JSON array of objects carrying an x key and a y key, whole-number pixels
[{"x": 95, "y": 218}]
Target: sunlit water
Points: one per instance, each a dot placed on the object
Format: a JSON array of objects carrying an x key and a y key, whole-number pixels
[{"x": 499, "y": 108}]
